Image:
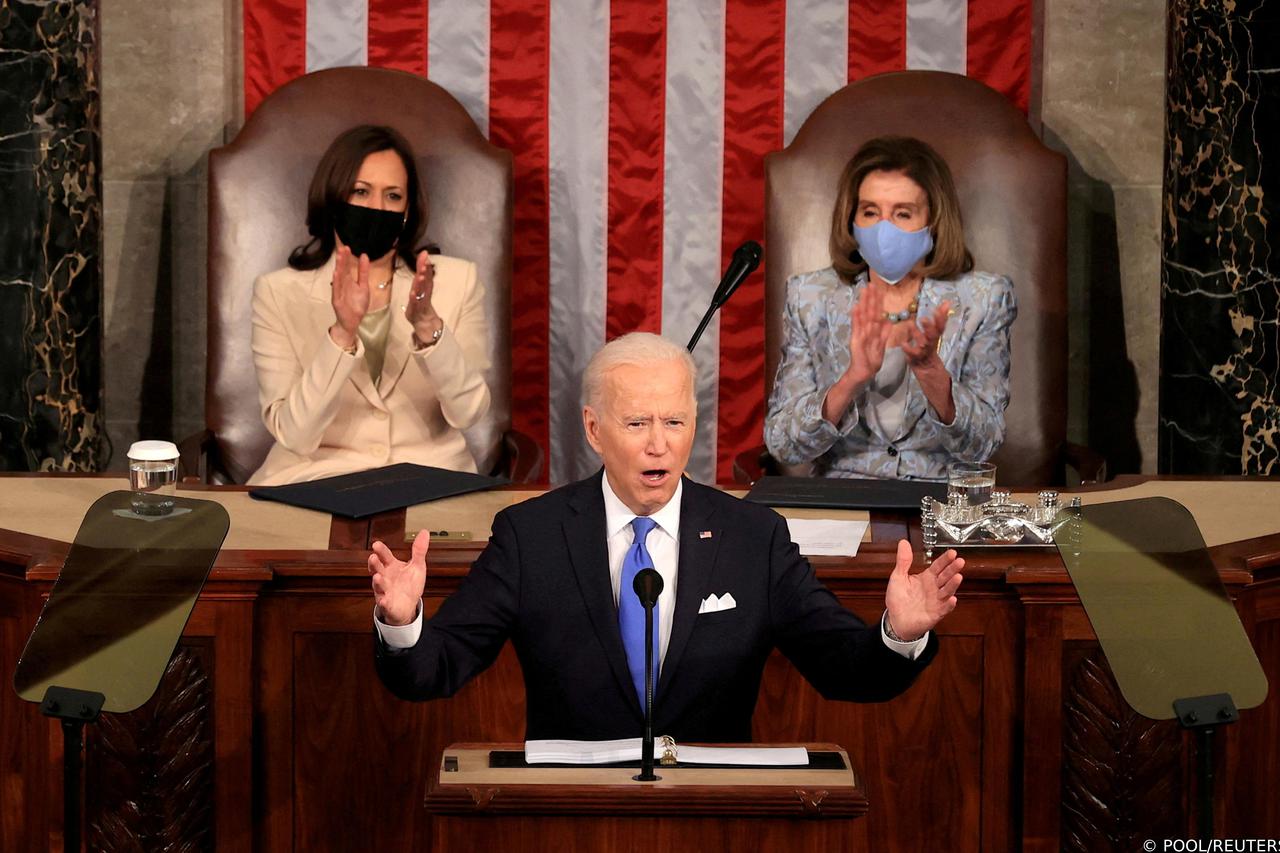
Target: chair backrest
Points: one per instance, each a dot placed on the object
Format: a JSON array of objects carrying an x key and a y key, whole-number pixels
[
  {"x": 1013, "y": 197},
  {"x": 257, "y": 207}
]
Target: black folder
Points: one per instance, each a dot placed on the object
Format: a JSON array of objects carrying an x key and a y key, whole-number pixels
[
  {"x": 844, "y": 493},
  {"x": 378, "y": 490}
]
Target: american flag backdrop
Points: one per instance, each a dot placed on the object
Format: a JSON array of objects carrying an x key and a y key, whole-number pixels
[{"x": 639, "y": 129}]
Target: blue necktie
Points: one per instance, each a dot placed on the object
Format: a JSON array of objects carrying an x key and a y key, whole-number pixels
[{"x": 630, "y": 611}]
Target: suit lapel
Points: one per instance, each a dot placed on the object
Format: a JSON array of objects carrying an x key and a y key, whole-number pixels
[
  {"x": 696, "y": 569},
  {"x": 589, "y": 553}
]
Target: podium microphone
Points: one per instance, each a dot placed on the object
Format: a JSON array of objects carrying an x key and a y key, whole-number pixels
[
  {"x": 744, "y": 262},
  {"x": 647, "y": 586}
]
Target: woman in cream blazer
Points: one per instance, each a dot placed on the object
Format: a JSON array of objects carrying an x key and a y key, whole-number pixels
[{"x": 338, "y": 399}]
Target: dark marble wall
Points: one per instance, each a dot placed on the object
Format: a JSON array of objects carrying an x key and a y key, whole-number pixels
[
  {"x": 50, "y": 236},
  {"x": 1220, "y": 278}
]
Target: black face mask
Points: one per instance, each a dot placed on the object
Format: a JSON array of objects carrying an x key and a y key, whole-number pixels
[{"x": 367, "y": 230}]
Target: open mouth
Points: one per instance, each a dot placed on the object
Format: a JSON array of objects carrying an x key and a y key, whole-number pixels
[{"x": 654, "y": 476}]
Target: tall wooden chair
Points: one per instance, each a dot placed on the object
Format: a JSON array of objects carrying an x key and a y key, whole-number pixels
[
  {"x": 257, "y": 205},
  {"x": 1013, "y": 196}
]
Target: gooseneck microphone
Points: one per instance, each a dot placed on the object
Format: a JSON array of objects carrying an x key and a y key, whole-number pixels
[
  {"x": 647, "y": 586},
  {"x": 743, "y": 263}
]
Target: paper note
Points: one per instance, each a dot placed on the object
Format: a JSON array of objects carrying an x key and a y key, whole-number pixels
[{"x": 824, "y": 537}]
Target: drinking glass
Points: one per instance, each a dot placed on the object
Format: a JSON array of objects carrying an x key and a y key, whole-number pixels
[{"x": 153, "y": 476}]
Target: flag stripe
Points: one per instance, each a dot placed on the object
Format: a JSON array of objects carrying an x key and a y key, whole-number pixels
[
  {"x": 754, "y": 31},
  {"x": 877, "y": 37},
  {"x": 817, "y": 61},
  {"x": 579, "y": 116},
  {"x": 936, "y": 35},
  {"x": 999, "y": 34},
  {"x": 397, "y": 35},
  {"x": 275, "y": 47},
  {"x": 337, "y": 33},
  {"x": 637, "y": 57},
  {"x": 458, "y": 46},
  {"x": 693, "y": 150},
  {"x": 519, "y": 57}
]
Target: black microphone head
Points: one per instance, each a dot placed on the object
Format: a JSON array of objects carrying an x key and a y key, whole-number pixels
[
  {"x": 750, "y": 252},
  {"x": 743, "y": 263},
  {"x": 648, "y": 586}
]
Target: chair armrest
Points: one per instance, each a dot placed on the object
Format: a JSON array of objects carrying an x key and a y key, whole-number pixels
[
  {"x": 521, "y": 460},
  {"x": 1088, "y": 463},
  {"x": 194, "y": 452},
  {"x": 751, "y": 465}
]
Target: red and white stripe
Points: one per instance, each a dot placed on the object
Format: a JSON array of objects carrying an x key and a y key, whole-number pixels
[{"x": 639, "y": 129}]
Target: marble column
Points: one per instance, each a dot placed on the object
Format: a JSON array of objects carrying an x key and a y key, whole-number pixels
[
  {"x": 1220, "y": 270},
  {"x": 50, "y": 229}
]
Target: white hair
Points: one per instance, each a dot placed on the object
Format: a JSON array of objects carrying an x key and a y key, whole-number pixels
[{"x": 639, "y": 349}]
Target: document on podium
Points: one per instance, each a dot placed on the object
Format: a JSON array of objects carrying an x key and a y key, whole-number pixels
[{"x": 628, "y": 749}]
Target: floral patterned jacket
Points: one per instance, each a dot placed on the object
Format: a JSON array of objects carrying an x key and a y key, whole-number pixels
[{"x": 974, "y": 348}]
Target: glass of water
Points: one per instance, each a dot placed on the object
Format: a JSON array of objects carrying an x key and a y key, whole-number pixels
[
  {"x": 972, "y": 480},
  {"x": 153, "y": 476}
]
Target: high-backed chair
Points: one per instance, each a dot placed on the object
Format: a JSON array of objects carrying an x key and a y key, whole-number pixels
[
  {"x": 1013, "y": 197},
  {"x": 257, "y": 206}
]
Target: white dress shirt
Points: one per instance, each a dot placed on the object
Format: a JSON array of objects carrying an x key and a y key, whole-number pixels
[{"x": 663, "y": 544}]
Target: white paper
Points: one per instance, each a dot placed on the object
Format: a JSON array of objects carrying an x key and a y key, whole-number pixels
[
  {"x": 827, "y": 537},
  {"x": 628, "y": 749},
  {"x": 750, "y": 756}
]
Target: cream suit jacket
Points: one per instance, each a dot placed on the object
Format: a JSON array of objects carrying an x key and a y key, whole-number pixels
[{"x": 325, "y": 411}]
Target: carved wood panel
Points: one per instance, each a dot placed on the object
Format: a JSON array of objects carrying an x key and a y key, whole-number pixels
[
  {"x": 149, "y": 773},
  {"x": 1122, "y": 774}
]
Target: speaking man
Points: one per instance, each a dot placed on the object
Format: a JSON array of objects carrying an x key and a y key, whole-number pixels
[{"x": 556, "y": 580}]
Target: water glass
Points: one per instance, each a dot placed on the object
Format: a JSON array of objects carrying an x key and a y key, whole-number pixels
[
  {"x": 153, "y": 476},
  {"x": 971, "y": 480}
]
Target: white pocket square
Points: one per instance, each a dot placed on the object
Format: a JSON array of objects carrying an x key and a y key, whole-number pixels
[{"x": 715, "y": 604}]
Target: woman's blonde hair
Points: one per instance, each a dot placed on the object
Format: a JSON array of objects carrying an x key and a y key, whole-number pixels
[{"x": 919, "y": 162}]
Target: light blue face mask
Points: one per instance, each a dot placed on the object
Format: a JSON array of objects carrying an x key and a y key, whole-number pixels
[{"x": 889, "y": 250}]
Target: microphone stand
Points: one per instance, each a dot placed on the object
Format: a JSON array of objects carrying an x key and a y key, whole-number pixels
[
  {"x": 648, "y": 585},
  {"x": 745, "y": 260}
]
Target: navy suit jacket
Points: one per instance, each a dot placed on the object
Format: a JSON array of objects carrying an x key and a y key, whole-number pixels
[{"x": 543, "y": 583}]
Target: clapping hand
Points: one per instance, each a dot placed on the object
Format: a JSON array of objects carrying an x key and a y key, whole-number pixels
[
  {"x": 921, "y": 345},
  {"x": 419, "y": 310},
  {"x": 868, "y": 336},
  {"x": 350, "y": 295},
  {"x": 917, "y": 602},
  {"x": 398, "y": 585}
]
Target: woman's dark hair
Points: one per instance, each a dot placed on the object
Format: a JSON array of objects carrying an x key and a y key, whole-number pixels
[
  {"x": 922, "y": 164},
  {"x": 333, "y": 182}
]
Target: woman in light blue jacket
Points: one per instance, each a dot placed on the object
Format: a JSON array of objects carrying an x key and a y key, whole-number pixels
[{"x": 896, "y": 358}]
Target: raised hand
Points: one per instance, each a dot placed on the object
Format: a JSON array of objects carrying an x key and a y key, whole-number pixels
[
  {"x": 868, "y": 336},
  {"x": 917, "y": 602},
  {"x": 921, "y": 345},
  {"x": 350, "y": 295},
  {"x": 398, "y": 585},
  {"x": 419, "y": 310}
]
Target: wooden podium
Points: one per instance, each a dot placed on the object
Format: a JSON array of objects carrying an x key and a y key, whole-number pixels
[{"x": 483, "y": 808}]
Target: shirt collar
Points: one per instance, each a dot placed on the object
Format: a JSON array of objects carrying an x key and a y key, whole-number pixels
[{"x": 617, "y": 515}]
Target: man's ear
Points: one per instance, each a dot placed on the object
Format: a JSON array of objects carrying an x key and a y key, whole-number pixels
[{"x": 591, "y": 426}]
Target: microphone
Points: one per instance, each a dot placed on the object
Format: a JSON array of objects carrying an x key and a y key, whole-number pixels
[
  {"x": 743, "y": 263},
  {"x": 647, "y": 586}
]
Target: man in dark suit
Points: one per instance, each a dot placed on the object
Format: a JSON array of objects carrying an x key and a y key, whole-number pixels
[{"x": 556, "y": 581}]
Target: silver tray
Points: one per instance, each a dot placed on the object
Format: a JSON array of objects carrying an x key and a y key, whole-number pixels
[{"x": 999, "y": 524}]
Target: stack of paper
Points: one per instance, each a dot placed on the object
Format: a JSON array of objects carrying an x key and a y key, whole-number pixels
[{"x": 628, "y": 749}]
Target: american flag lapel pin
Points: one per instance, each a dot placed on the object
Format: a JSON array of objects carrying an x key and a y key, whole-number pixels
[{"x": 706, "y": 534}]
